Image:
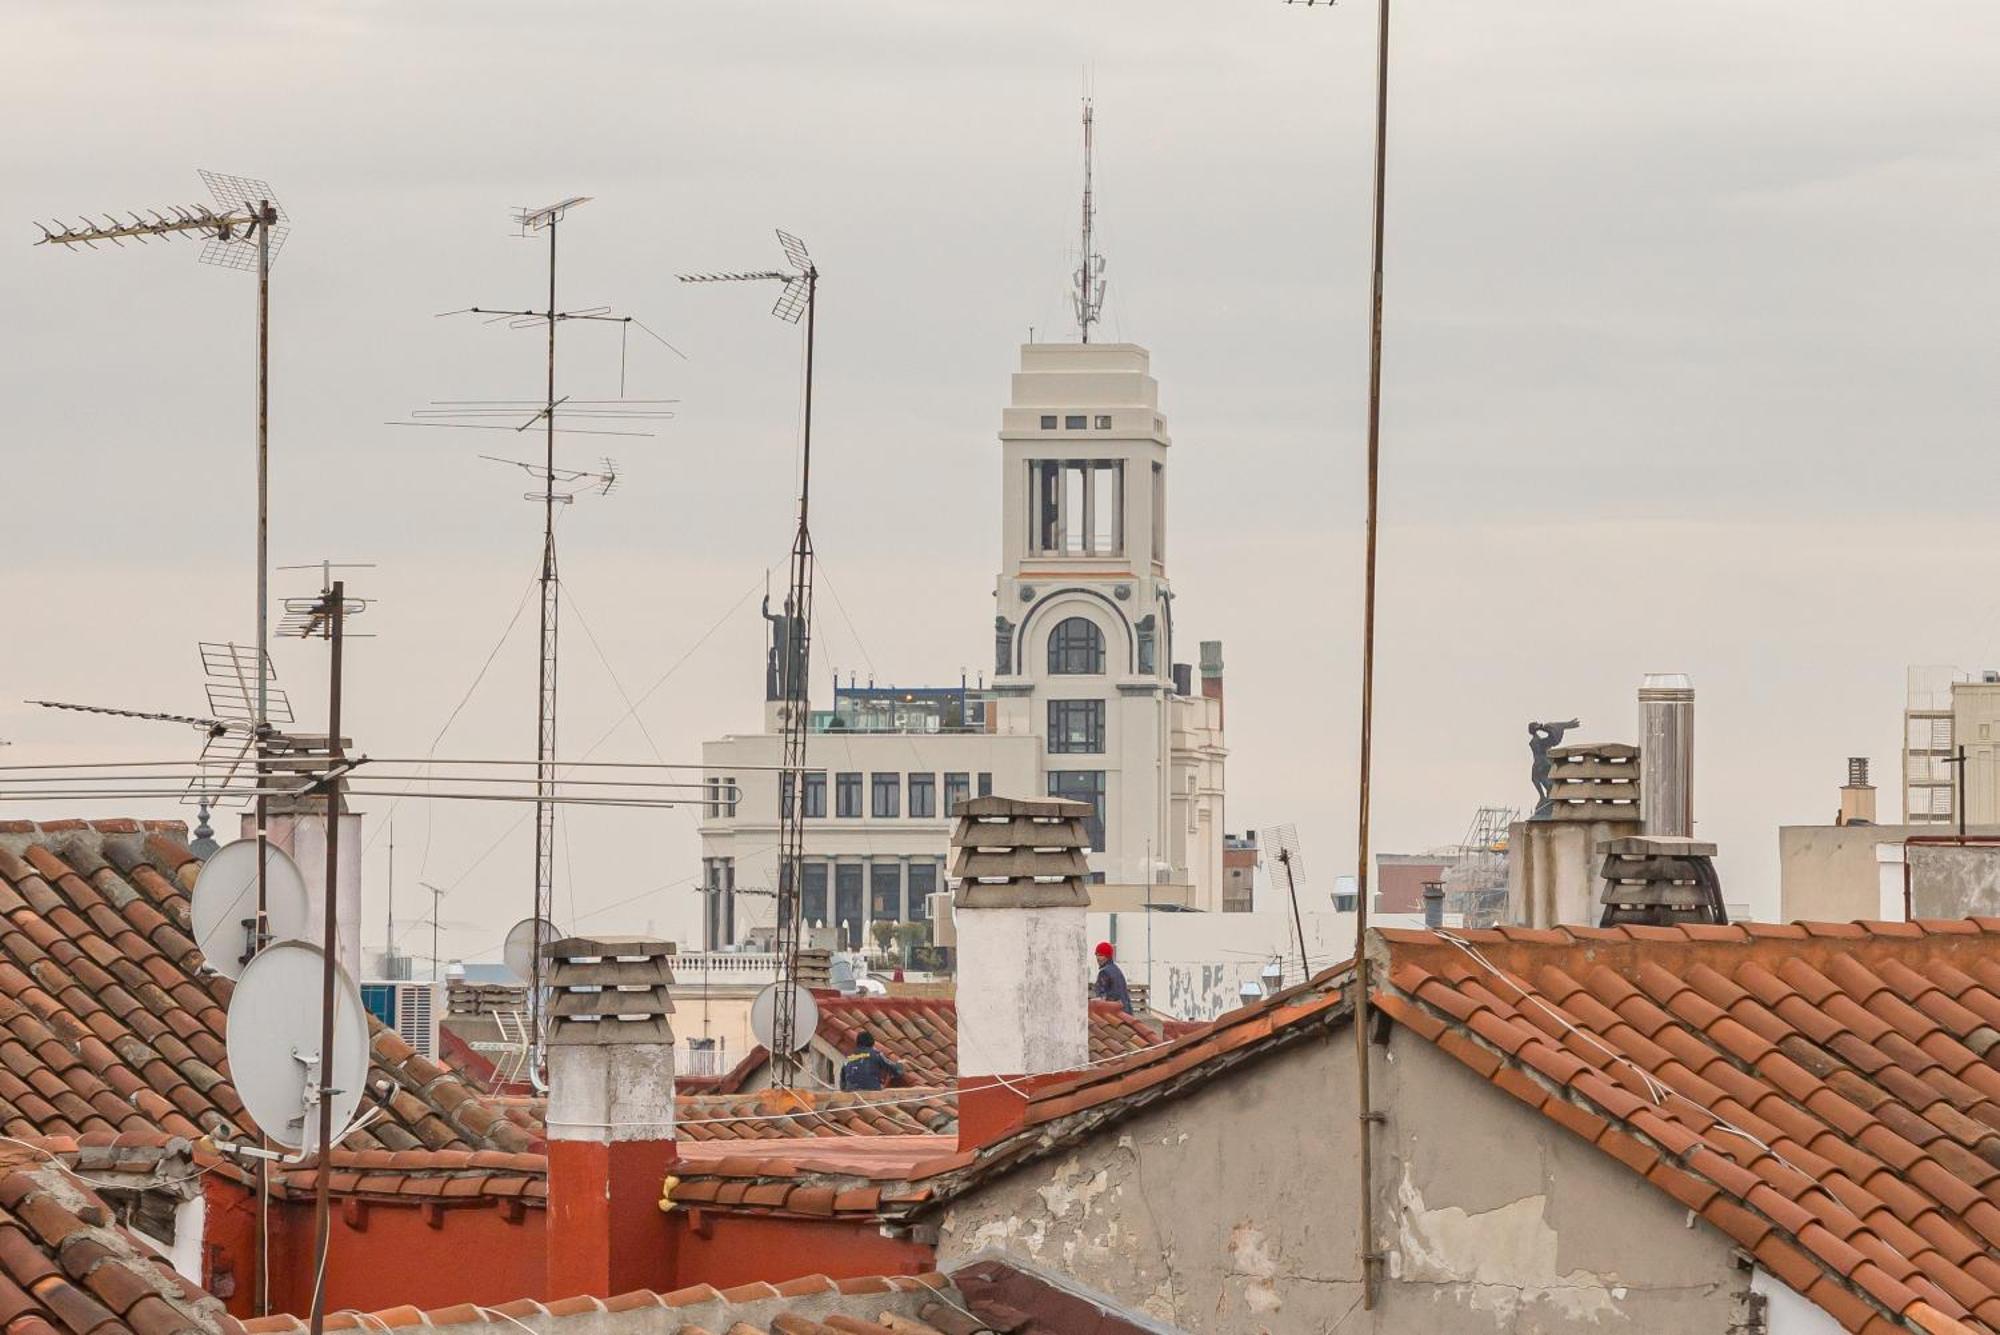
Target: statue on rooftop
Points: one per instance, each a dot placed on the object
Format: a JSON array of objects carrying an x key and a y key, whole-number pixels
[
  {"x": 785, "y": 659},
  {"x": 1542, "y": 739}
]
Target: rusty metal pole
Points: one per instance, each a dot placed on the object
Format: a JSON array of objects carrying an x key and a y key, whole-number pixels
[
  {"x": 1370, "y": 1255},
  {"x": 266, "y": 214},
  {"x": 336, "y": 599}
]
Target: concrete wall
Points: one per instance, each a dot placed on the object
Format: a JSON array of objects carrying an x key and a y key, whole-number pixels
[
  {"x": 1553, "y": 870},
  {"x": 1494, "y": 1218},
  {"x": 1022, "y": 977},
  {"x": 1829, "y": 873},
  {"x": 1951, "y": 882}
]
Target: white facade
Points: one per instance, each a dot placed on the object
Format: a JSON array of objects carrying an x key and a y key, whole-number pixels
[{"x": 1083, "y": 701}]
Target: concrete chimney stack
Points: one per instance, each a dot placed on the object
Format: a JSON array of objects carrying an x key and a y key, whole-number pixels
[
  {"x": 1434, "y": 904},
  {"x": 1666, "y": 754},
  {"x": 1024, "y": 957},
  {"x": 610, "y": 1115},
  {"x": 1857, "y": 795}
]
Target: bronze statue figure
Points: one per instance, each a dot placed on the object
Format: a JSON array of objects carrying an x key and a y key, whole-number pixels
[{"x": 1543, "y": 738}]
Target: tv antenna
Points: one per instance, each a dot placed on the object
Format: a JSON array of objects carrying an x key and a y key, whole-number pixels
[
  {"x": 1088, "y": 299},
  {"x": 244, "y": 230},
  {"x": 1283, "y": 841},
  {"x": 792, "y": 645},
  {"x": 554, "y": 415}
]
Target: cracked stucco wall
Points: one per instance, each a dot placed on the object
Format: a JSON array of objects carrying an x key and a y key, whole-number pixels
[{"x": 1234, "y": 1210}]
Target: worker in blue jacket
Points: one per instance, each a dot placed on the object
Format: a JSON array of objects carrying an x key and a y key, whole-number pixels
[{"x": 867, "y": 1068}]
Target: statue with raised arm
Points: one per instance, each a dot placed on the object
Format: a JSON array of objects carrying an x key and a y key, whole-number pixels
[
  {"x": 786, "y": 655},
  {"x": 1542, "y": 739}
]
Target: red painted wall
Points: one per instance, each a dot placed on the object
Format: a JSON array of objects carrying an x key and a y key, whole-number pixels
[
  {"x": 726, "y": 1250},
  {"x": 382, "y": 1255}
]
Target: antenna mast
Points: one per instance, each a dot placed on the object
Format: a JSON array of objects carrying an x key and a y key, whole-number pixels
[
  {"x": 1089, "y": 295},
  {"x": 555, "y": 486},
  {"x": 799, "y": 296}
]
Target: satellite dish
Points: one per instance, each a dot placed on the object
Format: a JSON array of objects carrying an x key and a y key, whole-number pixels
[
  {"x": 764, "y": 1015},
  {"x": 225, "y": 904},
  {"x": 274, "y": 1022},
  {"x": 523, "y": 945}
]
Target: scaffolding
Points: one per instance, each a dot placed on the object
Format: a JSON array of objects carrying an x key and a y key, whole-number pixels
[
  {"x": 1475, "y": 884},
  {"x": 1928, "y": 742}
]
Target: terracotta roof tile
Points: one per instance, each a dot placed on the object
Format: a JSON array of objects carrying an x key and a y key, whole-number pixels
[
  {"x": 112, "y": 1023},
  {"x": 1822, "y": 1094}
]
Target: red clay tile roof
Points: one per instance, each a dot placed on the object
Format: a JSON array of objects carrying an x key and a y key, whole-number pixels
[
  {"x": 447, "y": 1175},
  {"x": 65, "y": 1265},
  {"x": 107, "y": 1022},
  {"x": 772, "y": 1114},
  {"x": 1826, "y": 1095},
  {"x": 919, "y": 1304},
  {"x": 921, "y": 1035}
]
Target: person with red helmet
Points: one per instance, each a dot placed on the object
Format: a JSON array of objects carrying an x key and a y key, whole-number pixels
[{"x": 1110, "y": 985}]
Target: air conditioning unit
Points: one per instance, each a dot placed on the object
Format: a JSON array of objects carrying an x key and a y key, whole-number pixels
[{"x": 412, "y": 1009}]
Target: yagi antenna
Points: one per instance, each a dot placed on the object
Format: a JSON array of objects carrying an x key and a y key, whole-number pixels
[
  {"x": 791, "y": 647},
  {"x": 549, "y": 416}
]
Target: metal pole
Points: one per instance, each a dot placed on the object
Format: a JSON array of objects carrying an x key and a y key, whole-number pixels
[
  {"x": 262, "y": 933},
  {"x": 323, "y": 1199},
  {"x": 1959, "y": 798},
  {"x": 545, "y": 736},
  {"x": 1367, "y": 1116}
]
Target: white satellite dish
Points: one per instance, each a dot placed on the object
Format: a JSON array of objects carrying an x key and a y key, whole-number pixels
[
  {"x": 522, "y": 943},
  {"x": 274, "y": 1024},
  {"x": 224, "y": 904},
  {"x": 764, "y": 1015}
]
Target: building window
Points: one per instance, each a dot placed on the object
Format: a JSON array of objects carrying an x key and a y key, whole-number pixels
[
  {"x": 1075, "y": 422},
  {"x": 812, "y": 899},
  {"x": 1103, "y": 421},
  {"x": 986, "y": 783},
  {"x": 1076, "y": 727},
  {"x": 719, "y": 902},
  {"x": 886, "y": 795},
  {"x": 885, "y": 892},
  {"x": 847, "y": 905},
  {"x": 1083, "y": 785},
  {"x": 957, "y": 787},
  {"x": 815, "y": 790},
  {"x": 847, "y": 795},
  {"x": 731, "y": 794},
  {"x": 714, "y": 805},
  {"x": 923, "y": 884},
  {"x": 784, "y": 794},
  {"x": 1077, "y": 506},
  {"x": 923, "y": 795},
  {"x": 1048, "y": 421},
  {"x": 1076, "y": 648}
]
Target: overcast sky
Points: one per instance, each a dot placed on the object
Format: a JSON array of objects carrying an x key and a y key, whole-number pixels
[{"x": 1691, "y": 327}]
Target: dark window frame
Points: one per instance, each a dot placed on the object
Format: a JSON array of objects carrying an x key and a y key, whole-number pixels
[
  {"x": 1061, "y": 727},
  {"x": 1076, "y": 640},
  {"x": 885, "y": 795},
  {"x": 847, "y": 795},
  {"x": 814, "y": 806},
  {"x": 922, "y": 785},
  {"x": 957, "y": 788},
  {"x": 1059, "y": 786}
]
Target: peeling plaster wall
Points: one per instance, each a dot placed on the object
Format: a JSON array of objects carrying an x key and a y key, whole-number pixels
[{"x": 1234, "y": 1210}]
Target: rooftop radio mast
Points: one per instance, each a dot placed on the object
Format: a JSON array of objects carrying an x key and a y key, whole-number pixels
[
  {"x": 798, "y": 297},
  {"x": 557, "y": 486},
  {"x": 1089, "y": 295}
]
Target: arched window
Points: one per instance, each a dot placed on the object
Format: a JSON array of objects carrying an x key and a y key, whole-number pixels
[{"x": 1076, "y": 647}]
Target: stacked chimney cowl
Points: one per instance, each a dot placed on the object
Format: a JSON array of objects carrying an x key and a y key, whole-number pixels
[
  {"x": 1024, "y": 956},
  {"x": 610, "y": 1114},
  {"x": 1857, "y": 795}
]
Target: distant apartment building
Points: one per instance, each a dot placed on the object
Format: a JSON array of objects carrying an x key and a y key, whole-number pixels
[
  {"x": 1947, "y": 708},
  {"x": 1086, "y": 700},
  {"x": 1239, "y": 872},
  {"x": 1400, "y": 879}
]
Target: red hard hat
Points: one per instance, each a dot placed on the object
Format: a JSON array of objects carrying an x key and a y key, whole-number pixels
[{"x": 1104, "y": 951}]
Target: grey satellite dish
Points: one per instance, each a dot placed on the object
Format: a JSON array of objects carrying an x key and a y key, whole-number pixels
[
  {"x": 522, "y": 943},
  {"x": 274, "y": 1022},
  {"x": 224, "y": 904},
  {"x": 805, "y": 1017}
]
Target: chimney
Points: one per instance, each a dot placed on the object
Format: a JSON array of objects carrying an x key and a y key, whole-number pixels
[
  {"x": 1857, "y": 795},
  {"x": 1183, "y": 679},
  {"x": 1434, "y": 904},
  {"x": 1211, "y": 673},
  {"x": 610, "y": 1115},
  {"x": 1666, "y": 754},
  {"x": 298, "y": 826},
  {"x": 1023, "y": 952}
]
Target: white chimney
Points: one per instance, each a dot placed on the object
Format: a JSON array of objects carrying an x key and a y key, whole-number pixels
[{"x": 303, "y": 835}]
